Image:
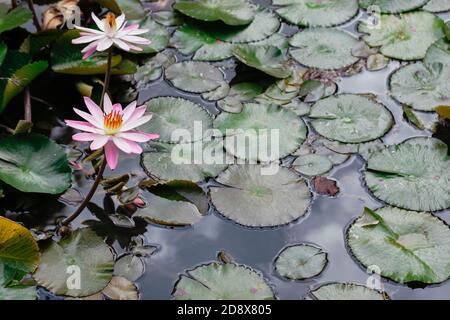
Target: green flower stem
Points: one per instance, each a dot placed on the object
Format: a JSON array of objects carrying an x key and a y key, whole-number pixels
[
  {"x": 35, "y": 18},
  {"x": 89, "y": 196}
]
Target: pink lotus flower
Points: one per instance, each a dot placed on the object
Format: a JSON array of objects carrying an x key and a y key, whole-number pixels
[
  {"x": 112, "y": 32},
  {"x": 112, "y": 129}
]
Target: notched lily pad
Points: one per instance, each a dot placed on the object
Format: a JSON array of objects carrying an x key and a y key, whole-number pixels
[
  {"x": 312, "y": 164},
  {"x": 257, "y": 196},
  {"x": 301, "y": 261},
  {"x": 392, "y": 6},
  {"x": 406, "y": 246},
  {"x": 437, "y": 6},
  {"x": 345, "y": 291}
]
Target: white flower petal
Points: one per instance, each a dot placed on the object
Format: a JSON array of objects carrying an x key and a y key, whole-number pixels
[
  {"x": 120, "y": 21},
  {"x": 89, "y": 30},
  {"x": 100, "y": 24},
  {"x": 135, "y": 40},
  {"x": 133, "y": 124},
  {"x": 121, "y": 44},
  {"x": 104, "y": 44},
  {"x": 87, "y": 39}
]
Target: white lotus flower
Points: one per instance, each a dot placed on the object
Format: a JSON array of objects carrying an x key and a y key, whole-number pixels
[{"x": 112, "y": 32}]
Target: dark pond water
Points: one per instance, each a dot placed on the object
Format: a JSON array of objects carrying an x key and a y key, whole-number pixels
[{"x": 324, "y": 225}]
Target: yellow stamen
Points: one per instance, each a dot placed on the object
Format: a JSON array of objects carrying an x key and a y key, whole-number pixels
[
  {"x": 111, "y": 20},
  {"x": 113, "y": 122}
]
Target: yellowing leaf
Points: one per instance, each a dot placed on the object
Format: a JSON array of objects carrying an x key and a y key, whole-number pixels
[{"x": 443, "y": 111}]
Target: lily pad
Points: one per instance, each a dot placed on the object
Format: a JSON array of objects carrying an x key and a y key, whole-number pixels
[
  {"x": 273, "y": 132},
  {"x": 120, "y": 288},
  {"x": 413, "y": 175},
  {"x": 437, "y": 6},
  {"x": 14, "y": 18},
  {"x": 133, "y": 9},
  {"x": 239, "y": 93},
  {"x": 312, "y": 164},
  {"x": 345, "y": 291},
  {"x": 175, "y": 203},
  {"x": 393, "y": 6},
  {"x": 323, "y": 48},
  {"x": 159, "y": 163},
  {"x": 301, "y": 261},
  {"x": 34, "y": 163},
  {"x": 196, "y": 77},
  {"x": 81, "y": 251},
  {"x": 227, "y": 281},
  {"x": 407, "y": 246},
  {"x": 350, "y": 118},
  {"x": 311, "y": 13},
  {"x": 158, "y": 35},
  {"x": 423, "y": 87},
  {"x": 18, "y": 249},
  {"x": 404, "y": 37},
  {"x": 170, "y": 115},
  {"x": 267, "y": 58},
  {"x": 231, "y": 12},
  {"x": 255, "y": 197},
  {"x": 15, "y": 291},
  {"x": 439, "y": 52},
  {"x": 129, "y": 267}
]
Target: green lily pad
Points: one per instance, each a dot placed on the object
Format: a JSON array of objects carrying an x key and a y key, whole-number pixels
[
  {"x": 345, "y": 291},
  {"x": 17, "y": 73},
  {"x": 82, "y": 249},
  {"x": 312, "y": 164},
  {"x": 423, "y": 87},
  {"x": 254, "y": 197},
  {"x": 15, "y": 291},
  {"x": 227, "y": 281},
  {"x": 350, "y": 118},
  {"x": 413, "y": 175},
  {"x": 267, "y": 58},
  {"x": 196, "y": 77},
  {"x": 18, "y": 249},
  {"x": 439, "y": 52},
  {"x": 159, "y": 163},
  {"x": 282, "y": 130},
  {"x": 231, "y": 12},
  {"x": 14, "y": 18},
  {"x": 301, "y": 261},
  {"x": 323, "y": 48},
  {"x": 311, "y": 13},
  {"x": 406, "y": 246},
  {"x": 404, "y": 37},
  {"x": 177, "y": 203},
  {"x": 171, "y": 114},
  {"x": 158, "y": 35},
  {"x": 239, "y": 93},
  {"x": 437, "y": 6},
  {"x": 130, "y": 267},
  {"x": 133, "y": 9},
  {"x": 393, "y": 6},
  {"x": 33, "y": 163}
]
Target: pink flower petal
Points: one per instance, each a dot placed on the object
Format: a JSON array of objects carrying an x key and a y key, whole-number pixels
[
  {"x": 137, "y": 136},
  {"x": 131, "y": 27},
  {"x": 89, "y": 52},
  {"x": 136, "y": 123},
  {"x": 138, "y": 112},
  {"x": 128, "y": 111},
  {"x": 99, "y": 142},
  {"x": 107, "y": 104},
  {"x": 94, "y": 109},
  {"x": 117, "y": 107},
  {"x": 127, "y": 146},
  {"x": 84, "y": 136},
  {"x": 112, "y": 155},
  {"x": 83, "y": 125},
  {"x": 89, "y": 118}
]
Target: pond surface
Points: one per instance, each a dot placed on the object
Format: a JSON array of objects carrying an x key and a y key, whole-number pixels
[{"x": 323, "y": 225}]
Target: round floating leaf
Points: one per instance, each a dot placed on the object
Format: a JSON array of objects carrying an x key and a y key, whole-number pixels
[
  {"x": 392, "y": 6},
  {"x": 129, "y": 267},
  {"x": 439, "y": 52},
  {"x": 14, "y": 290},
  {"x": 323, "y": 48},
  {"x": 158, "y": 35},
  {"x": 258, "y": 196},
  {"x": 172, "y": 114},
  {"x": 14, "y": 18},
  {"x": 196, "y": 77},
  {"x": 350, "y": 118},
  {"x": 231, "y": 12},
  {"x": 345, "y": 291},
  {"x": 406, "y": 246},
  {"x": 81, "y": 251},
  {"x": 299, "y": 262},
  {"x": 423, "y": 87},
  {"x": 239, "y": 93},
  {"x": 18, "y": 249},
  {"x": 437, "y": 6},
  {"x": 317, "y": 13},
  {"x": 133, "y": 9},
  {"x": 404, "y": 37},
  {"x": 273, "y": 132},
  {"x": 413, "y": 175},
  {"x": 175, "y": 203},
  {"x": 312, "y": 164},
  {"x": 267, "y": 58},
  {"x": 227, "y": 281},
  {"x": 120, "y": 288},
  {"x": 34, "y": 163},
  {"x": 175, "y": 162}
]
